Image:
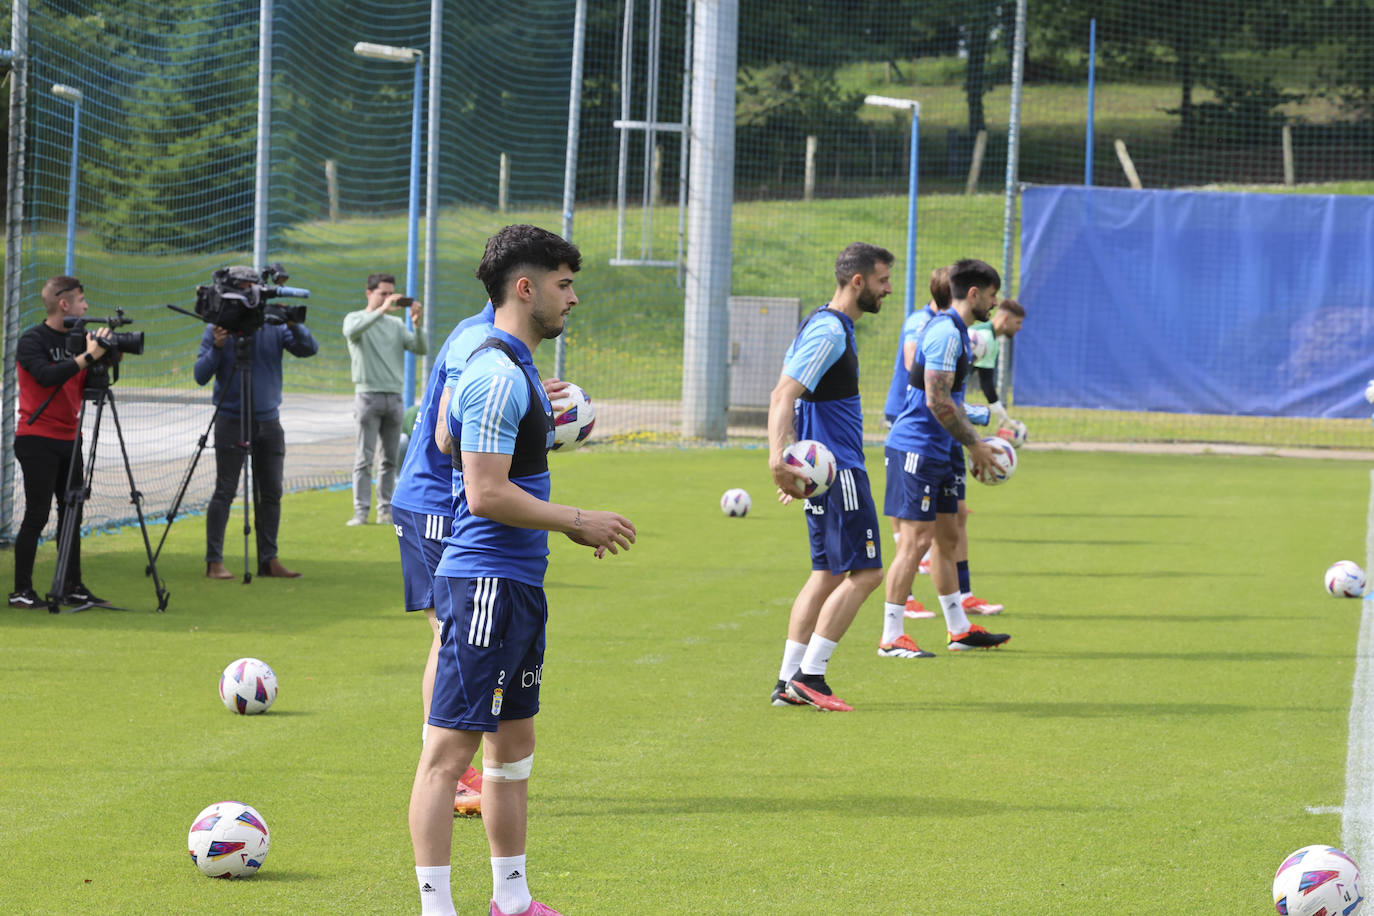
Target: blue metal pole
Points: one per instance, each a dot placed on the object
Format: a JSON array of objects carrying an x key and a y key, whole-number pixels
[
  {"x": 71, "y": 190},
  {"x": 413, "y": 231},
  {"x": 1092, "y": 86},
  {"x": 911, "y": 183}
]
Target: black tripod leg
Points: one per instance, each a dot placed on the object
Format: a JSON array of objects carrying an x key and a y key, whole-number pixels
[
  {"x": 246, "y": 434},
  {"x": 136, "y": 498},
  {"x": 186, "y": 482},
  {"x": 72, "y": 500}
]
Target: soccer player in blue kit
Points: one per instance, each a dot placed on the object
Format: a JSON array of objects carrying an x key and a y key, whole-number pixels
[
  {"x": 817, "y": 397},
  {"x": 488, "y": 593},
  {"x": 912, "y": 327},
  {"x": 923, "y": 480},
  {"x": 422, "y": 508}
]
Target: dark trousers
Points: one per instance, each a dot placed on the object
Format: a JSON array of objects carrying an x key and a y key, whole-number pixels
[
  {"x": 268, "y": 445},
  {"x": 46, "y": 463}
]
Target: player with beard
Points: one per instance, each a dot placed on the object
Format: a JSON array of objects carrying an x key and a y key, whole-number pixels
[
  {"x": 817, "y": 397},
  {"x": 922, "y": 481}
]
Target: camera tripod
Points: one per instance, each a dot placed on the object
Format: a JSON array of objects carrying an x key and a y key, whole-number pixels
[
  {"x": 97, "y": 392},
  {"x": 243, "y": 368}
]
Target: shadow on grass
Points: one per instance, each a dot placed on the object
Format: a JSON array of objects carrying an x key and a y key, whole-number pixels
[
  {"x": 850, "y": 806},
  {"x": 1083, "y": 542},
  {"x": 1073, "y": 709}
]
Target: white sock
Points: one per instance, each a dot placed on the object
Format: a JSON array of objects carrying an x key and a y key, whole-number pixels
[
  {"x": 893, "y": 625},
  {"x": 435, "y": 897},
  {"x": 792, "y": 653},
  {"x": 956, "y": 621},
  {"x": 817, "y": 655},
  {"x": 509, "y": 888},
  {"x": 964, "y": 596}
]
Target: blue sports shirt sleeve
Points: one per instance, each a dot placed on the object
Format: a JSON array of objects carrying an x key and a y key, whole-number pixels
[
  {"x": 489, "y": 403},
  {"x": 821, "y": 343},
  {"x": 942, "y": 346}
]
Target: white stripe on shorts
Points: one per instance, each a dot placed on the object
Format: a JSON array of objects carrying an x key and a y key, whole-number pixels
[
  {"x": 913, "y": 461},
  {"x": 434, "y": 527},
  {"x": 483, "y": 607},
  {"x": 849, "y": 491}
]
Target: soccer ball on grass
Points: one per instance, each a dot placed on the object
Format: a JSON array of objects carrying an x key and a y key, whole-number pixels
[
  {"x": 573, "y": 418},
  {"x": 1004, "y": 462},
  {"x": 1317, "y": 881},
  {"x": 229, "y": 840},
  {"x": 248, "y": 686},
  {"x": 1345, "y": 579},
  {"x": 735, "y": 503},
  {"x": 814, "y": 465}
]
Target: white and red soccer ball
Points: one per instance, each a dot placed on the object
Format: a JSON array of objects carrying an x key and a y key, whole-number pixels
[
  {"x": 573, "y": 418},
  {"x": 735, "y": 503},
  {"x": 229, "y": 840},
  {"x": 813, "y": 464},
  {"x": 1317, "y": 881},
  {"x": 248, "y": 686},
  {"x": 1345, "y": 579},
  {"x": 1004, "y": 462},
  {"x": 1014, "y": 431}
]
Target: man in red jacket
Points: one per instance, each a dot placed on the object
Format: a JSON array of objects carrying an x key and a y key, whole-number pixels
[{"x": 48, "y": 448}]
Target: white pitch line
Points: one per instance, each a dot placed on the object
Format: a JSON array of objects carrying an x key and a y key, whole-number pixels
[{"x": 1357, "y": 818}]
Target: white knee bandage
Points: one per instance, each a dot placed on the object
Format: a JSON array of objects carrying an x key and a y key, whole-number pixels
[{"x": 507, "y": 772}]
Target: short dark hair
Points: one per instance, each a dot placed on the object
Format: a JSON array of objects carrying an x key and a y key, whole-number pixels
[
  {"x": 523, "y": 246},
  {"x": 964, "y": 275},
  {"x": 860, "y": 258},
  {"x": 939, "y": 288},
  {"x": 376, "y": 280},
  {"x": 1012, "y": 307}
]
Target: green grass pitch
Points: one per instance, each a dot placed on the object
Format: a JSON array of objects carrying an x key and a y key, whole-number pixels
[{"x": 1173, "y": 701}]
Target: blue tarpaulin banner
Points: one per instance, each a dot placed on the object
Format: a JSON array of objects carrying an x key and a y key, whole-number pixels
[{"x": 1196, "y": 302}]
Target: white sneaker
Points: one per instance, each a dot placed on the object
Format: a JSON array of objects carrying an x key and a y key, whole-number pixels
[{"x": 356, "y": 520}]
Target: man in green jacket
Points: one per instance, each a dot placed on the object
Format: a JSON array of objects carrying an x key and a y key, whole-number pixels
[{"x": 377, "y": 341}]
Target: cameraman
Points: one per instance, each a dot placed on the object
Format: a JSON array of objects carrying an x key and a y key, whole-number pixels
[
  {"x": 217, "y": 359},
  {"x": 49, "y": 448},
  {"x": 377, "y": 342}
]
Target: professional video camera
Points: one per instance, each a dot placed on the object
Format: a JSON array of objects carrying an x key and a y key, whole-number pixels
[
  {"x": 121, "y": 341},
  {"x": 236, "y": 299}
]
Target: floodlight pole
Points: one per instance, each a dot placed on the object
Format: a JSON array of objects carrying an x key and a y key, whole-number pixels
[
  {"x": 570, "y": 150},
  {"x": 1092, "y": 87},
  {"x": 417, "y": 57},
  {"x": 73, "y": 95},
  {"x": 911, "y": 187}
]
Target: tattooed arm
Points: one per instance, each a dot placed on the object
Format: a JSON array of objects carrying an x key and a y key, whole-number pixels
[{"x": 940, "y": 402}]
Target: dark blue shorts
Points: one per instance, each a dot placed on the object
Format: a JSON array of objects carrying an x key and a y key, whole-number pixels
[
  {"x": 842, "y": 524},
  {"x": 918, "y": 487},
  {"x": 422, "y": 544},
  {"x": 956, "y": 460},
  {"x": 491, "y": 653}
]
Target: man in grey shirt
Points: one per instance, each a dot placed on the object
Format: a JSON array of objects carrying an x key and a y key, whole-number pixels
[{"x": 377, "y": 341}]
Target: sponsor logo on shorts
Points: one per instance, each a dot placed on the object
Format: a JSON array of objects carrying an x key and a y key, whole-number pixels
[
  {"x": 496, "y": 696},
  {"x": 399, "y": 533},
  {"x": 925, "y": 503},
  {"x": 532, "y": 678},
  {"x": 813, "y": 508},
  {"x": 870, "y": 549}
]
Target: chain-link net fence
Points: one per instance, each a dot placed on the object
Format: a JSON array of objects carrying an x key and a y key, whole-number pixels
[{"x": 1218, "y": 94}]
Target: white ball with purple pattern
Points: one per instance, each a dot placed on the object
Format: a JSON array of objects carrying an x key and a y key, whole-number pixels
[
  {"x": 1345, "y": 579},
  {"x": 229, "y": 840},
  {"x": 735, "y": 503}
]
